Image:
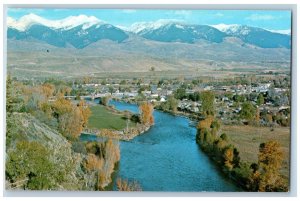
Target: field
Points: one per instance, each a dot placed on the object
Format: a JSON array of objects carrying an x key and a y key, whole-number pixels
[
  {"x": 102, "y": 118},
  {"x": 248, "y": 138}
]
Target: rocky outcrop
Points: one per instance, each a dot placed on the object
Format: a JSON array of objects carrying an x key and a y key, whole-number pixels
[{"x": 69, "y": 162}]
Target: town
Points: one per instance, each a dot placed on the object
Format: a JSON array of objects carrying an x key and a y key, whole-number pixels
[{"x": 267, "y": 97}]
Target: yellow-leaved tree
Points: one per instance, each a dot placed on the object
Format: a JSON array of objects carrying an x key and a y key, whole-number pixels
[{"x": 146, "y": 110}]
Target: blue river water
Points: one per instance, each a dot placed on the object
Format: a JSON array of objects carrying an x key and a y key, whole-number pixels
[{"x": 167, "y": 158}]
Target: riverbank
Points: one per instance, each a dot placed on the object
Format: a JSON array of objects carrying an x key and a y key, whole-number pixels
[
  {"x": 124, "y": 135},
  {"x": 108, "y": 122}
]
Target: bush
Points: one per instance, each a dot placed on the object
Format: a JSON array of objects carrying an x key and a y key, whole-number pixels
[
  {"x": 79, "y": 147},
  {"x": 32, "y": 166}
]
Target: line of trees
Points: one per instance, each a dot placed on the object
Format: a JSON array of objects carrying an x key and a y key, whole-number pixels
[{"x": 262, "y": 176}]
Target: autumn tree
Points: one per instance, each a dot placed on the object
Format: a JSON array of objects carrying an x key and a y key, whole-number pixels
[
  {"x": 146, "y": 113},
  {"x": 206, "y": 123},
  {"x": 70, "y": 123},
  {"x": 48, "y": 89},
  {"x": 125, "y": 185},
  {"x": 228, "y": 157},
  {"x": 85, "y": 112},
  {"x": 71, "y": 118},
  {"x": 270, "y": 159},
  {"x": 61, "y": 106}
]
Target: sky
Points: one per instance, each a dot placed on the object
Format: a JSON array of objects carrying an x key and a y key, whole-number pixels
[{"x": 267, "y": 19}]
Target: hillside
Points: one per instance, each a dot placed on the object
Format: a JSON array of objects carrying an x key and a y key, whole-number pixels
[
  {"x": 67, "y": 163},
  {"x": 139, "y": 55},
  {"x": 47, "y": 151}
]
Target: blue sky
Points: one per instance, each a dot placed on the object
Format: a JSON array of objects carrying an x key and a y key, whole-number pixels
[{"x": 273, "y": 20}]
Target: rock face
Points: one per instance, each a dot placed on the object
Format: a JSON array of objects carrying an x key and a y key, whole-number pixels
[
  {"x": 25, "y": 127},
  {"x": 30, "y": 129}
]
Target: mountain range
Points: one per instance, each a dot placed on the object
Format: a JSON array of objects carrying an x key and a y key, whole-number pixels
[{"x": 82, "y": 31}]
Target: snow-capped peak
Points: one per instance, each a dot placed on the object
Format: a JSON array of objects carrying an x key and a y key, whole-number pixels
[
  {"x": 67, "y": 23},
  {"x": 233, "y": 28},
  {"x": 285, "y": 31},
  {"x": 225, "y": 27},
  {"x": 146, "y": 26}
]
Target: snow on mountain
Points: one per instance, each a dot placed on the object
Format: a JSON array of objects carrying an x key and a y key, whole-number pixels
[
  {"x": 70, "y": 22},
  {"x": 225, "y": 27},
  {"x": 147, "y": 26},
  {"x": 244, "y": 30},
  {"x": 285, "y": 31},
  {"x": 233, "y": 28}
]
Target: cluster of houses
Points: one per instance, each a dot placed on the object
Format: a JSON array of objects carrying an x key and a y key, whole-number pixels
[{"x": 225, "y": 106}]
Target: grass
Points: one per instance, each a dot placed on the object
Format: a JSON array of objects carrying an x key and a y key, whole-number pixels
[
  {"x": 248, "y": 138},
  {"x": 102, "y": 118}
]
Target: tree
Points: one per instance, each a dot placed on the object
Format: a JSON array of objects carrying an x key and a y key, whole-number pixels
[
  {"x": 206, "y": 123},
  {"x": 170, "y": 105},
  {"x": 85, "y": 112},
  {"x": 228, "y": 156},
  {"x": 127, "y": 116},
  {"x": 260, "y": 100},
  {"x": 48, "y": 89},
  {"x": 248, "y": 111},
  {"x": 207, "y": 99},
  {"x": 173, "y": 103},
  {"x": 270, "y": 159},
  {"x": 70, "y": 123},
  {"x": 152, "y": 69},
  {"x": 180, "y": 93},
  {"x": 146, "y": 113},
  {"x": 105, "y": 100}
]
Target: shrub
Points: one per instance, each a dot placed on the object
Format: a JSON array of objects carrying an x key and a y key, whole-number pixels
[{"x": 30, "y": 163}]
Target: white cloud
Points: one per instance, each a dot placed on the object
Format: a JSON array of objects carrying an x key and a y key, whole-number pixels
[
  {"x": 128, "y": 11},
  {"x": 256, "y": 17}
]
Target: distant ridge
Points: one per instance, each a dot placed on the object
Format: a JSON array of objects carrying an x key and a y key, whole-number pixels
[{"x": 81, "y": 31}]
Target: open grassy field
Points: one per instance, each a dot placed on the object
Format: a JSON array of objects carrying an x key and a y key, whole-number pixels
[
  {"x": 103, "y": 118},
  {"x": 248, "y": 138}
]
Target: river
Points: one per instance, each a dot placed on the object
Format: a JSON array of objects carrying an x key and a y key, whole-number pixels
[{"x": 167, "y": 158}]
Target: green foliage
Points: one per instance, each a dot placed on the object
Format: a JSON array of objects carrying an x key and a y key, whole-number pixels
[
  {"x": 260, "y": 99},
  {"x": 224, "y": 137},
  {"x": 105, "y": 100},
  {"x": 170, "y": 105},
  {"x": 180, "y": 93},
  {"x": 14, "y": 101},
  {"x": 239, "y": 98},
  {"x": 102, "y": 118},
  {"x": 30, "y": 162},
  {"x": 79, "y": 147},
  {"x": 248, "y": 111},
  {"x": 207, "y": 100}
]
